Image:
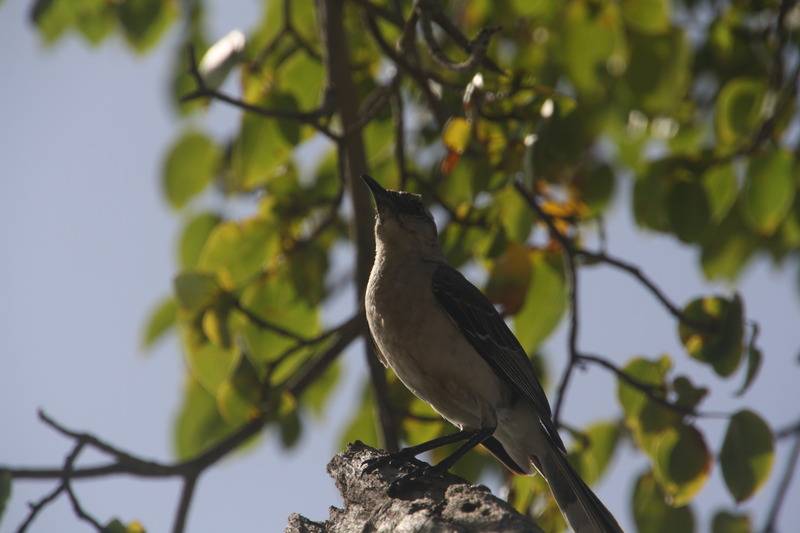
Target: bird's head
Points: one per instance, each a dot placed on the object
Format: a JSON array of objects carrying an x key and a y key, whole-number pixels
[{"x": 403, "y": 223}]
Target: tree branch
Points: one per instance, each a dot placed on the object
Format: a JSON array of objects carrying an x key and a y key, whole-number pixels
[
  {"x": 783, "y": 487},
  {"x": 305, "y": 117},
  {"x": 338, "y": 67}
]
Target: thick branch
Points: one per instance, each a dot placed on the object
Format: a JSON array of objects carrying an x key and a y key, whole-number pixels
[
  {"x": 431, "y": 503},
  {"x": 339, "y": 69}
]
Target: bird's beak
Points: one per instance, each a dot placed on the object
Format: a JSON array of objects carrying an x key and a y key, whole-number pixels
[{"x": 382, "y": 197}]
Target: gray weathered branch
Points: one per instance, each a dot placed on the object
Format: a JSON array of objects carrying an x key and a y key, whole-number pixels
[{"x": 448, "y": 504}]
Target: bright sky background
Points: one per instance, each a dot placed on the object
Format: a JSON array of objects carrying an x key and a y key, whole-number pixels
[{"x": 87, "y": 248}]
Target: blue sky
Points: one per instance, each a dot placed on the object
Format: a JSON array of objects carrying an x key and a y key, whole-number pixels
[{"x": 87, "y": 248}]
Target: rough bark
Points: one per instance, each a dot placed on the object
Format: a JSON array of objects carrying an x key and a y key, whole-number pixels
[{"x": 430, "y": 504}]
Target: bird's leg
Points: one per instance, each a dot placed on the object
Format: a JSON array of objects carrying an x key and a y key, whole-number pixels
[
  {"x": 474, "y": 437},
  {"x": 413, "y": 451},
  {"x": 480, "y": 436}
]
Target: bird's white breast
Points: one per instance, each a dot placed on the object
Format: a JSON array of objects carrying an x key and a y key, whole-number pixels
[{"x": 423, "y": 346}]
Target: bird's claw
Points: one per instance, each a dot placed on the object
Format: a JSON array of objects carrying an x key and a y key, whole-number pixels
[
  {"x": 394, "y": 459},
  {"x": 417, "y": 476}
]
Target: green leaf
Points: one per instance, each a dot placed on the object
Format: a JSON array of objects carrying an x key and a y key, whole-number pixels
[
  {"x": 658, "y": 74},
  {"x": 196, "y": 291},
  {"x": 682, "y": 463},
  {"x": 596, "y": 189},
  {"x": 545, "y": 302},
  {"x": 317, "y": 394},
  {"x": 747, "y": 454},
  {"x": 211, "y": 365},
  {"x": 650, "y": 195},
  {"x": 161, "y": 320},
  {"x": 754, "y": 359},
  {"x": 274, "y": 300},
  {"x": 738, "y": 110},
  {"x": 189, "y": 167},
  {"x": 515, "y": 215},
  {"x": 239, "y": 397},
  {"x": 259, "y": 153},
  {"x": 193, "y": 238},
  {"x": 688, "y": 210},
  {"x": 721, "y": 189},
  {"x": 689, "y": 396},
  {"x": 647, "y": 16},
  {"x": 592, "y": 459},
  {"x": 768, "y": 190},
  {"x": 727, "y": 522},
  {"x": 289, "y": 129},
  {"x": 362, "y": 424},
  {"x": 589, "y": 36},
  {"x": 291, "y": 428},
  {"x": 5, "y": 491},
  {"x": 652, "y": 514},
  {"x": 237, "y": 251},
  {"x": 144, "y": 21},
  {"x": 198, "y": 424},
  {"x": 728, "y": 248},
  {"x": 632, "y": 400},
  {"x": 722, "y": 345}
]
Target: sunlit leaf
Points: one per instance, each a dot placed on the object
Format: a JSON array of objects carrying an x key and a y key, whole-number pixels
[
  {"x": 211, "y": 365},
  {"x": 659, "y": 70},
  {"x": 189, "y": 167},
  {"x": 274, "y": 300},
  {"x": 545, "y": 302},
  {"x": 647, "y": 16},
  {"x": 652, "y": 514},
  {"x": 589, "y": 37},
  {"x": 318, "y": 394},
  {"x": 739, "y": 109},
  {"x": 196, "y": 290},
  {"x": 160, "y": 320},
  {"x": 682, "y": 463},
  {"x": 194, "y": 236},
  {"x": 239, "y": 395},
  {"x": 721, "y": 189},
  {"x": 237, "y": 251},
  {"x": 721, "y": 343},
  {"x": 768, "y": 190},
  {"x": 198, "y": 424},
  {"x": 592, "y": 458},
  {"x": 747, "y": 454}
]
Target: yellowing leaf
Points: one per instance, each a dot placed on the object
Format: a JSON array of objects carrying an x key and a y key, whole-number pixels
[
  {"x": 509, "y": 277},
  {"x": 721, "y": 345},
  {"x": 682, "y": 463},
  {"x": 456, "y": 134},
  {"x": 198, "y": 424}
]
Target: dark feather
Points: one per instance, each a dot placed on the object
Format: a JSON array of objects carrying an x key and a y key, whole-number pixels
[{"x": 488, "y": 333}]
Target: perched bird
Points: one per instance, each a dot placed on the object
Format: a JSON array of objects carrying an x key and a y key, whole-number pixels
[{"x": 450, "y": 347}]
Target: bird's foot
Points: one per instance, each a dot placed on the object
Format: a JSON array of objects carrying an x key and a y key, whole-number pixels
[
  {"x": 395, "y": 459},
  {"x": 419, "y": 475}
]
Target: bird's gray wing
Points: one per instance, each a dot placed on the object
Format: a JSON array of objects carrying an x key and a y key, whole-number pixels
[{"x": 487, "y": 332}]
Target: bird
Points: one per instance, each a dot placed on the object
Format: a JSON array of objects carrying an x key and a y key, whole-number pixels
[{"x": 451, "y": 348}]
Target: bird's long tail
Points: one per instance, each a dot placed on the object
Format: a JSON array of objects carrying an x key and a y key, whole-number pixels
[{"x": 583, "y": 510}]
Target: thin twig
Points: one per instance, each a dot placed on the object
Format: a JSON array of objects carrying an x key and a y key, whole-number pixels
[
  {"x": 306, "y": 117},
  {"x": 35, "y": 507},
  {"x": 187, "y": 492},
  {"x": 783, "y": 487},
  {"x": 79, "y": 511},
  {"x": 572, "y": 343}
]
